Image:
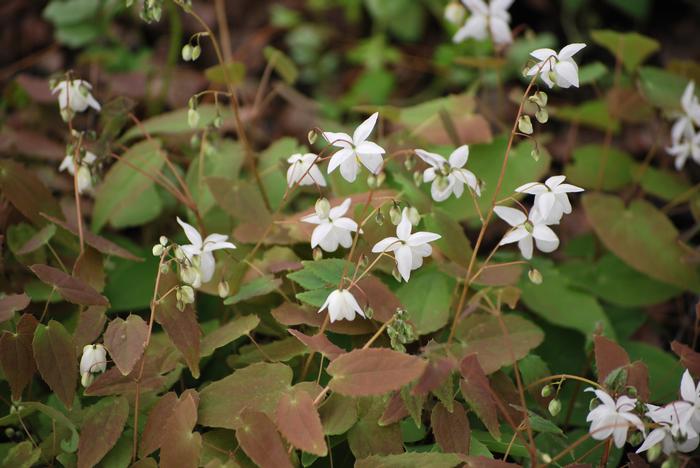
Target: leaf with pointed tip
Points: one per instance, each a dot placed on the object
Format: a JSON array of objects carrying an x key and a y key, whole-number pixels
[
  {"x": 373, "y": 371},
  {"x": 394, "y": 412},
  {"x": 338, "y": 414},
  {"x": 89, "y": 268},
  {"x": 477, "y": 392},
  {"x": 608, "y": 356},
  {"x": 69, "y": 287},
  {"x": 318, "y": 343},
  {"x": 690, "y": 359},
  {"x": 181, "y": 446},
  {"x": 16, "y": 355},
  {"x": 25, "y": 190},
  {"x": 91, "y": 322},
  {"x": 451, "y": 429},
  {"x": 152, "y": 436},
  {"x": 228, "y": 333},
  {"x": 434, "y": 375},
  {"x": 257, "y": 287},
  {"x": 12, "y": 303},
  {"x": 54, "y": 352},
  {"x": 299, "y": 422},
  {"x": 38, "y": 240},
  {"x": 126, "y": 340},
  {"x": 102, "y": 425},
  {"x": 258, "y": 386},
  {"x": 261, "y": 441}
]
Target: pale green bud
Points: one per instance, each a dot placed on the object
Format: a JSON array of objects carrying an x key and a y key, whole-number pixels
[
  {"x": 224, "y": 289},
  {"x": 409, "y": 163},
  {"x": 541, "y": 98},
  {"x": 187, "y": 52},
  {"x": 653, "y": 453},
  {"x": 196, "y": 52},
  {"x": 535, "y": 154},
  {"x": 542, "y": 115},
  {"x": 379, "y": 218},
  {"x": 554, "y": 407},
  {"x": 163, "y": 241},
  {"x": 413, "y": 215},
  {"x": 525, "y": 124},
  {"x": 312, "y": 136},
  {"x": 535, "y": 276},
  {"x": 546, "y": 391},
  {"x": 218, "y": 121},
  {"x": 417, "y": 178},
  {"x": 372, "y": 181},
  {"x": 190, "y": 275},
  {"x": 186, "y": 294},
  {"x": 395, "y": 215},
  {"x": 317, "y": 254},
  {"x": 323, "y": 208},
  {"x": 157, "y": 250},
  {"x": 192, "y": 118}
]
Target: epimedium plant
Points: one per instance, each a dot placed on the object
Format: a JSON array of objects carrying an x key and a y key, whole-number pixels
[{"x": 418, "y": 337}]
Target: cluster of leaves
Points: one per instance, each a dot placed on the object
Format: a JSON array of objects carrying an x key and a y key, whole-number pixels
[{"x": 222, "y": 382}]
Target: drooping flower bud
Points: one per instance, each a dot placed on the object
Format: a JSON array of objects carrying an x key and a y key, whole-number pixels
[
  {"x": 93, "y": 361},
  {"x": 323, "y": 208},
  {"x": 554, "y": 407},
  {"x": 525, "y": 124},
  {"x": 535, "y": 276},
  {"x": 379, "y": 218},
  {"x": 546, "y": 391},
  {"x": 196, "y": 52},
  {"x": 311, "y": 136},
  {"x": 187, "y": 52},
  {"x": 542, "y": 115},
  {"x": 455, "y": 13},
  {"x": 157, "y": 250},
  {"x": 192, "y": 117},
  {"x": 317, "y": 254},
  {"x": 190, "y": 275},
  {"x": 413, "y": 215},
  {"x": 224, "y": 289},
  {"x": 163, "y": 241},
  {"x": 395, "y": 214}
]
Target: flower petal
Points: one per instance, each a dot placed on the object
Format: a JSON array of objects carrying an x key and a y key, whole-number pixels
[
  {"x": 569, "y": 51},
  {"x": 510, "y": 215},
  {"x": 459, "y": 157},
  {"x": 365, "y": 129},
  {"x": 404, "y": 260},
  {"x": 340, "y": 210},
  {"x": 388, "y": 244},
  {"x": 339, "y": 158},
  {"x": 192, "y": 234}
]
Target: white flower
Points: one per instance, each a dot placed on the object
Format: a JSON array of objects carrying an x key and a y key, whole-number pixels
[
  {"x": 409, "y": 249},
  {"x": 84, "y": 173},
  {"x": 551, "y": 199},
  {"x": 303, "y": 169},
  {"x": 526, "y": 229},
  {"x": 683, "y": 127},
  {"x": 690, "y": 393},
  {"x": 613, "y": 418},
  {"x": 199, "y": 252},
  {"x": 75, "y": 95},
  {"x": 341, "y": 305},
  {"x": 448, "y": 176},
  {"x": 454, "y": 12},
  {"x": 333, "y": 228},
  {"x": 557, "y": 68},
  {"x": 93, "y": 361},
  {"x": 485, "y": 19},
  {"x": 356, "y": 150},
  {"x": 672, "y": 433},
  {"x": 687, "y": 146}
]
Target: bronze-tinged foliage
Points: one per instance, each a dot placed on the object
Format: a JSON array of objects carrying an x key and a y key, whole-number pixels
[
  {"x": 318, "y": 343},
  {"x": 153, "y": 434},
  {"x": 367, "y": 437},
  {"x": 373, "y": 371},
  {"x": 69, "y": 287},
  {"x": 27, "y": 192},
  {"x": 477, "y": 392},
  {"x": 260, "y": 440},
  {"x": 227, "y": 333},
  {"x": 609, "y": 356},
  {"x": 299, "y": 422},
  {"x": 451, "y": 429},
  {"x": 690, "y": 359},
  {"x": 126, "y": 340},
  {"x": 54, "y": 352},
  {"x": 12, "y": 303},
  {"x": 180, "y": 446},
  {"x": 103, "y": 423},
  {"x": 17, "y": 356}
]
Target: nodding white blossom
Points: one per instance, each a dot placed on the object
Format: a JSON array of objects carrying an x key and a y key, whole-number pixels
[
  {"x": 409, "y": 249},
  {"x": 75, "y": 96},
  {"x": 492, "y": 19},
  {"x": 93, "y": 361},
  {"x": 526, "y": 229},
  {"x": 304, "y": 171},
  {"x": 200, "y": 255},
  {"x": 551, "y": 199},
  {"x": 613, "y": 417},
  {"x": 672, "y": 431},
  {"x": 685, "y": 137},
  {"x": 84, "y": 172},
  {"x": 341, "y": 305},
  {"x": 558, "y": 68},
  {"x": 448, "y": 175},
  {"x": 333, "y": 228},
  {"x": 355, "y": 150},
  {"x": 690, "y": 393}
]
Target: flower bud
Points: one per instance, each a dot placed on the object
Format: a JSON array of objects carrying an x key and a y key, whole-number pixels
[
  {"x": 86, "y": 379},
  {"x": 670, "y": 463},
  {"x": 554, "y": 407},
  {"x": 413, "y": 215},
  {"x": 312, "y": 136},
  {"x": 187, "y": 52},
  {"x": 540, "y": 98},
  {"x": 535, "y": 276},
  {"x": 525, "y": 124},
  {"x": 317, "y": 254},
  {"x": 417, "y": 178},
  {"x": 218, "y": 121},
  {"x": 653, "y": 453},
  {"x": 192, "y": 117},
  {"x": 535, "y": 154},
  {"x": 224, "y": 289},
  {"x": 546, "y": 391},
  {"x": 395, "y": 214},
  {"x": 455, "y": 13},
  {"x": 323, "y": 208},
  {"x": 157, "y": 250},
  {"x": 186, "y": 294},
  {"x": 395, "y": 273},
  {"x": 179, "y": 254},
  {"x": 381, "y": 177},
  {"x": 163, "y": 241},
  {"x": 379, "y": 218},
  {"x": 9, "y": 432},
  {"x": 372, "y": 181},
  {"x": 196, "y": 52},
  {"x": 190, "y": 275},
  {"x": 93, "y": 361},
  {"x": 547, "y": 458},
  {"x": 409, "y": 163},
  {"x": 542, "y": 115}
]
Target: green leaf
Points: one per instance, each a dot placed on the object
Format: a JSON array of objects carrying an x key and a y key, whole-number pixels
[
  {"x": 411, "y": 460},
  {"x": 632, "y": 49},
  {"x": 662, "y": 88},
  {"x": 282, "y": 64},
  {"x": 321, "y": 273},
  {"x": 228, "y": 333},
  {"x": 587, "y": 162},
  {"x": 592, "y": 113},
  {"x": 257, "y": 287},
  {"x": 175, "y": 122},
  {"x": 453, "y": 243},
  {"x": 218, "y": 73},
  {"x": 591, "y": 72},
  {"x": 22, "y": 455},
  {"x": 558, "y": 302},
  {"x": 665, "y": 184},
  {"x": 427, "y": 298},
  {"x": 315, "y": 297},
  {"x": 128, "y": 197},
  {"x": 664, "y": 370},
  {"x": 642, "y": 236}
]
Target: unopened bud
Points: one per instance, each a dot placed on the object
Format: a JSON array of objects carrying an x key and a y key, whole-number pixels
[
  {"x": 196, "y": 52},
  {"x": 653, "y": 453},
  {"x": 455, "y": 13},
  {"x": 535, "y": 154},
  {"x": 218, "y": 121},
  {"x": 546, "y": 391},
  {"x": 395, "y": 214},
  {"x": 312, "y": 136},
  {"x": 417, "y": 178},
  {"x": 379, "y": 218},
  {"x": 409, "y": 163},
  {"x": 413, "y": 215},
  {"x": 525, "y": 124},
  {"x": 372, "y": 181},
  {"x": 189, "y": 275},
  {"x": 323, "y": 208},
  {"x": 542, "y": 115},
  {"x": 157, "y": 250},
  {"x": 381, "y": 177},
  {"x": 547, "y": 458},
  {"x": 179, "y": 254},
  {"x": 317, "y": 254},
  {"x": 554, "y": 407},
  {"x": 192, "y": 118},
  {"x": 540, "y": 98},
  {"x": 163, "y": 241},
  {"x": 224, "y": 289},
  {"x": 395, "y": 273},
  {"x": 187, "y": 52},
  {"x": 86, "y": 379},
  {"x": 9, "y": 432},
  {"x": 186, "y": 294},
  {"x": 369, "y": 312},
  {"x": 535, "y": 276}
]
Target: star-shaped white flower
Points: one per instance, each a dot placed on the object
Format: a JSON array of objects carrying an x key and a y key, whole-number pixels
[
  {"x": 409, "y": 249},
  {"x": 303, "y": 169},
  {"x": 551, "y": 199},
  {"x": 75, "y": 95},
  {"x": 613, "y": 418},
  {"x": 690, "y": 393},
  {"x": 199, "y": 252},
  {"x": 687, "y": 147},
  {"x": 684, "y": 126},
  {"x": 448, "y": 176},
  {"x": 84, "y": 172},
  {"x": 672, "y": 433},
  {"x": 333, "y": 228},
  {"x": 93, "y": 361},
  {"x": 342, "y": 305},
  {"x": 557, "y": 68},
  {"x": 525, "y": 230},
  {"x": 492, "y": 19},
  {"x": 355, "y": 150}
]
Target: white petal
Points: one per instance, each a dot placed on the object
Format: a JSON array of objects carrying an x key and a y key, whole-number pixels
[
  {"x": 514, "y": 235},
  {"x": 422, "y": 237},
  {"x": 207, "y": 266},
  {"x": 688, "y": 387},
  {"x": 554, "y": 181},
  {"x": 320, "y": 232},
  {"x": 500, "y": 31},
  {"x": 547, "y": 246},
  {"x": 388, "y": 244},
  {"x": 510, "y": 215},
  {"x": 339, "y": 139},
  {"x": 365, "y": 129},
  {"x": 339, "y": 158},
  {"x": 525, "y": 246},
  {"x": 404, "y": 260},
  {"x": 372, "y": 161},
  {"x": 477, "y": 6},
  {"x": 403, "y": 230},
  {"x": 429, "y": 174},
  {"x": 345, "y": 223},
  {"x": 654, "y": 437},
  {"x": 433, "y": 159},
  {"x": 349, "y": 169},
  {"x": 312, "y": 219},
  {"x": 192, "y": 234},
  {"x": 545, "y": 202},
  {"x": 340, "y": 210},
  {"x": 543, "y": 54},
  {"x": 315, "y": 176},
  {"x": 532, "y": 188},
  {"x": 567, "y": 74},
  {"x": 569, "y": 51},
  {"x": 459, "y": 157},
  {"x": 476, "y": 27}
]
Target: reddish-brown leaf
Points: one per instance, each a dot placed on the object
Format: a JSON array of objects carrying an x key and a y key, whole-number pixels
[
  {"x": 381, "y": 299},
  {"x": 26, "y": 192},
  {"x": 12, "y": 303},
  {"x": 292, "y": 314},
  {"x": 318, "y": 343},
  {"x": 395, "y": 410},
  {"x": 152, "y": 436},
  {"x": 16, "y": 355},
  {"x": 93, "y": 240},
  {"x": 180, "y": 445},
  {"x": 89, "y": 268},
  {"x": 608, "y": 356},
  {"x": 91, "y": 322},
  {"x": 37, "y": 240},
  {"x": 260, "y": 440},
  {"x": 452, "y": 431},
  {"x": 636, "y": 461},
  {"x": 507, "y": 393},
  {"x": 103, "y": 423},
  {"x": 435, "y": 374},
  {"x": 69, "y": 287},
  {"x": 690, "y": 359},
  {"x": 638, "y": 377},
  {"x": 181, "y": 326},
  {"x": 373, "y": 371},
  {"x": 126, "y": 340},
  {"x": 299, "y": 422},
  {"x": 477, "y": 392},
  {"x": 54, "y": 352}
]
